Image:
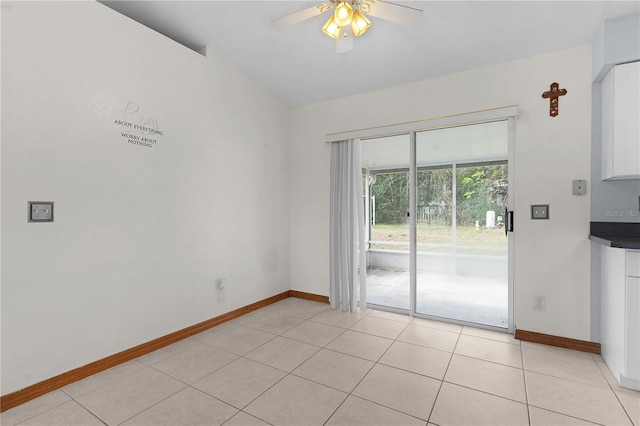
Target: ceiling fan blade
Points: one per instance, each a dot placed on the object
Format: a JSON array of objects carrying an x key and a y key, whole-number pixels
[
  {"x": 301, "y": 15},
  {"x": 345, "y": 42},
  {"x": 396, "y": 13}
]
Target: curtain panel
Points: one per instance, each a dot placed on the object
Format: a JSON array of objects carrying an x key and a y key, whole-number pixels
[{"x": 347, "y": 232}]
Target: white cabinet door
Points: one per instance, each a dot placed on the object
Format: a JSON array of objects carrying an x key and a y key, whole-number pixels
[
  {"x": 621, "y": 122},
  {"x": 612, "y": 298},
  {"x": 632, "y": 355}
]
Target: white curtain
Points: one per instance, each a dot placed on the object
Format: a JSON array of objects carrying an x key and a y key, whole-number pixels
[{"x": 347, "y": 238}]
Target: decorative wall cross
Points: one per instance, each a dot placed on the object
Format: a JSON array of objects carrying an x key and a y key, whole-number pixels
[{"x": 553, "y": 96}]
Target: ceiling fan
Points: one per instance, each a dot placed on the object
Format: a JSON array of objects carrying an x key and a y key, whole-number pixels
[{"x": 349, "y": 18}]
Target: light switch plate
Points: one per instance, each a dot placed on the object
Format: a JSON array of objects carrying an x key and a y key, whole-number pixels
[
  {"x": 540, "y": 211},
  {"x": 579, "y": 187},
  {"x": 40, "y": 211}
]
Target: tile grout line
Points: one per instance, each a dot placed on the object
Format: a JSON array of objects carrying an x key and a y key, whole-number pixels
[
  {"x": 100, "y": 419},
  {"x": 435, "y": 400},
  {"x": 72, "y": 399},
  {"x": 526, "y": 388},
  {"x": 615, "y": 393}
]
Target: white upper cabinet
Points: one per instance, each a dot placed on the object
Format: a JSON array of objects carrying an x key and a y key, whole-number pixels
[{"x": 621, "y": 122}]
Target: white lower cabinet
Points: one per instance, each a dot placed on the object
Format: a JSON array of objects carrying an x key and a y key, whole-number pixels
[{"x": 620, "y": 321}]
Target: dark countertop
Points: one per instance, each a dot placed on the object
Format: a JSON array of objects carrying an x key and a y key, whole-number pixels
[{"x": 616, "y": 234}]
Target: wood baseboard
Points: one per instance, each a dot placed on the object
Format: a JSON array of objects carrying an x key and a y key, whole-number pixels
[
  {"x": 562, "y": 342},
  {"x": 309, "y": 296},
  {"x": 38, "y": 389}
]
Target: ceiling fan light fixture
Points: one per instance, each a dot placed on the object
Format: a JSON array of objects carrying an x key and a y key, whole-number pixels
[
  {"x": 331, "y": 28},
  {"x": 359, "y": 24},
  {"x": 343, "y": 14}
]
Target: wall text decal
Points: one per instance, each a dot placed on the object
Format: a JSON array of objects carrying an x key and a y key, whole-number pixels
[{"x": 139, "y": 129}]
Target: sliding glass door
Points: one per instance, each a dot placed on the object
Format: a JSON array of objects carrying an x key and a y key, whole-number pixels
[{"x": 460, "y": 254}]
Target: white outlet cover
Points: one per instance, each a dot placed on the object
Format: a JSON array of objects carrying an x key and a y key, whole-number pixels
[{"x": 540, "y": 211}]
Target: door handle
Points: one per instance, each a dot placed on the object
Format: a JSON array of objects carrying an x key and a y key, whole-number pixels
[
  {"x": 508, "y": 217},
  {"x": 506, "y": 221}
]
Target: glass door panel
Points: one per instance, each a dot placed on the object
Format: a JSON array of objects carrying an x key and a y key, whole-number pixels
[
  {"x": 435, "y": 237},
  {"x": 461, "y": 258},
  {"x": 386, "y": 168},
  {"x": 481, "y": 252}
]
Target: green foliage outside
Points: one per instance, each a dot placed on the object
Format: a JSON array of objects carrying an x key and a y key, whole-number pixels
[
  {"x": 478, "y": 190},
  {"x": 391, "y": 193}
]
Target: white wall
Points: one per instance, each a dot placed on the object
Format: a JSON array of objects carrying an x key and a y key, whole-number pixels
[
  {"x": 552, "y": 257},
  {"x": 140, "y": 234}
]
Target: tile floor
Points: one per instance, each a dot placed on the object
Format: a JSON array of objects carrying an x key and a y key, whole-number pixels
[{"x": 298, "y": 363}]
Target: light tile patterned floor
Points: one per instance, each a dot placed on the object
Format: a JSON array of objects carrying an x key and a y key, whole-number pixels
[{"x": 298, "y": 363}]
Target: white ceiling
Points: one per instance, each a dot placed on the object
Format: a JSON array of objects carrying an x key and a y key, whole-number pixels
[{"x": 299, "y": 64}]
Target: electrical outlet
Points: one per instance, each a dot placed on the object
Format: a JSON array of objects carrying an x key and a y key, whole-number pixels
[
  {"x": 540, "y": 211},
  {"x": 222, "y": 289},
  {"x": 539, "y": 303}
]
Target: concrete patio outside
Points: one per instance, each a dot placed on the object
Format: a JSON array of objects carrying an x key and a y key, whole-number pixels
[{"x": 475, "y": 299}]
